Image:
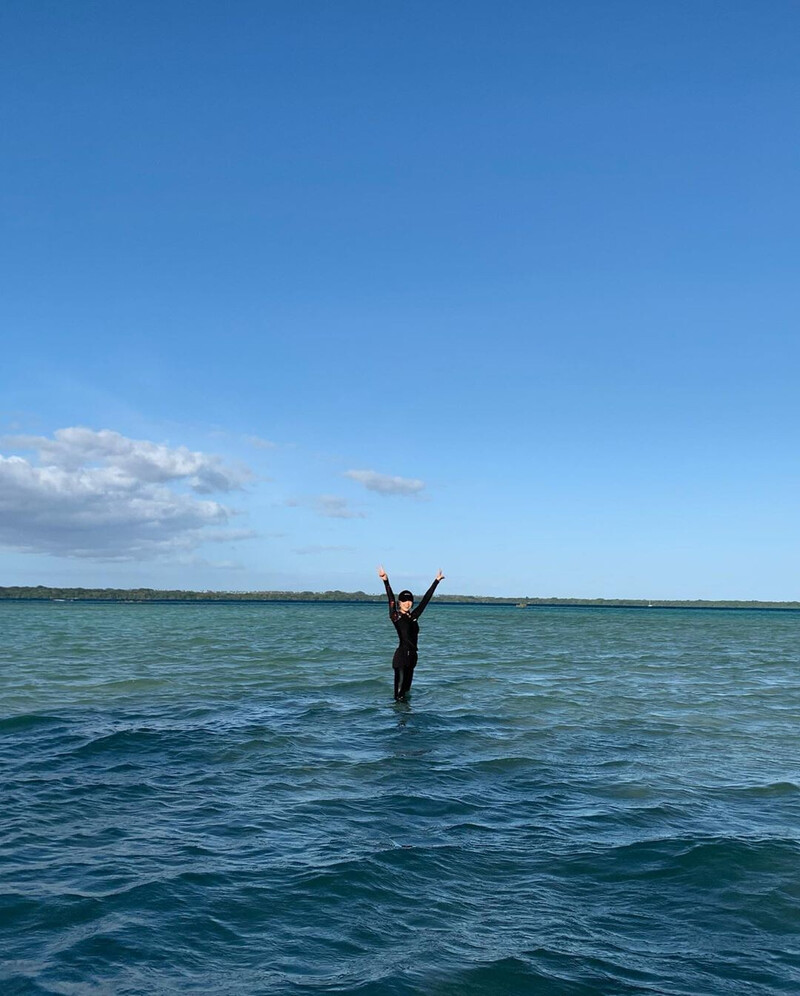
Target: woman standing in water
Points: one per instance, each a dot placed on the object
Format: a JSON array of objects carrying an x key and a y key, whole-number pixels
[{"x": 404, "y": 616}]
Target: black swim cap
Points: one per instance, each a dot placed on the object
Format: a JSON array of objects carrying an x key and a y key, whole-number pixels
[{"x": 405, "y": 596}]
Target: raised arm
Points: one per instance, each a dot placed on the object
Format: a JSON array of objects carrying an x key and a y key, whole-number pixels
[
  {"x": 427, "y": 596},
  {"x": 389, "y": 593}
]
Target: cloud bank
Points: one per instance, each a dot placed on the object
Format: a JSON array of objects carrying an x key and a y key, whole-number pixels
[
  {"x": 101, "y": 495},
  {"x": 384, "y": 484}
]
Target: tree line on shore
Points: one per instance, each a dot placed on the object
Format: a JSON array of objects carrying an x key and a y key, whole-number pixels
[{"x": 45, "y": 593}]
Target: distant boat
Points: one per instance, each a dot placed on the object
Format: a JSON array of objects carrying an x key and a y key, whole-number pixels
[{"x": 522, "y": 605}]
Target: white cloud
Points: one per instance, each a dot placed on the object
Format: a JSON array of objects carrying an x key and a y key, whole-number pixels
[
  {"x": 217, "y": 565},
  {"x": 75, "y": 448},
  {"x": 333, "y": 507},
  {"x": 101, "y": 495},
  {"x": 385, "y": 484},
  {"x": 314, "y": 549},
  {"x": 261, "y": 444},
  {"x": 328, "y": 506}
]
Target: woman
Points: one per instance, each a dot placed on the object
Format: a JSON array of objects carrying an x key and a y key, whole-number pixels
[{"x": 404, "y": 617}]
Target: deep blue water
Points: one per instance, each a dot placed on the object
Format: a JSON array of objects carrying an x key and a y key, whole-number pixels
[{"x": 224, "y": 799}]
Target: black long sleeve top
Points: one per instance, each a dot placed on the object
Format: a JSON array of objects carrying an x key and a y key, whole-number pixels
[{"x": 407, "y": 626}]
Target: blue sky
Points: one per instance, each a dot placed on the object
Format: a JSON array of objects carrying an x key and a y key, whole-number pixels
[{"x": 510, "y": 289}]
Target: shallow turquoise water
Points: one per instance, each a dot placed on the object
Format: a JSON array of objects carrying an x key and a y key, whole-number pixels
[{"x": 223, "y": 799}]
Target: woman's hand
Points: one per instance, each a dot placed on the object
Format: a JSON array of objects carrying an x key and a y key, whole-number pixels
[
  {"x": 382, "y": 574},
  {"x": 439, "y": 575}
]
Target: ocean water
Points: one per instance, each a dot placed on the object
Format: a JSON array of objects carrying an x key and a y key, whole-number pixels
[{"x": 223, "y": 798}]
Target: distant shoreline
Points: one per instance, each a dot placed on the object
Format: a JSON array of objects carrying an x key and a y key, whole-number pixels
[{"x": 41, "y": 593}]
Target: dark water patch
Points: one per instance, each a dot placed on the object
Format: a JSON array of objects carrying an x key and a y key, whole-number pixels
[{"x": 29, "y": 723}]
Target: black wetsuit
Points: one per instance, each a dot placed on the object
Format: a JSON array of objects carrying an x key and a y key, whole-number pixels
[{"x": 405, "y": 657}]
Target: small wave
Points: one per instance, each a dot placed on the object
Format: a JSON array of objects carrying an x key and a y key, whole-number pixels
[
  {"x": 136, "y": 741},
  {"x": 771, "y": 790},
  {"x": 46, "y": 912},
  {"x": 545, "y": 972},
  {"x": 702, "y": 862},
  {"x": 26, "y": 722}
]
